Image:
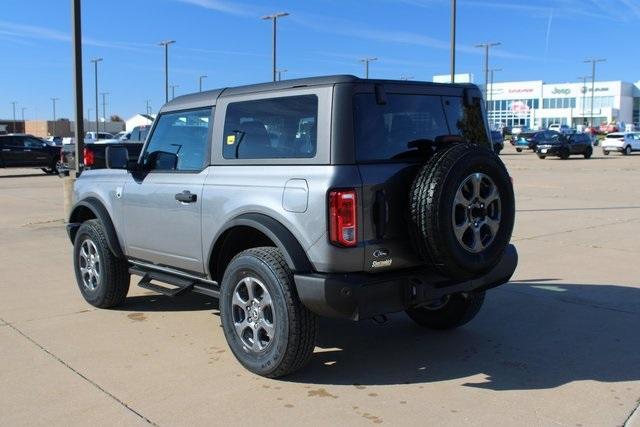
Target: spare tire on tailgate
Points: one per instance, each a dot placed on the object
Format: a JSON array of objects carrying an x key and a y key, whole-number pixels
[{"x": 462, "y": 211}]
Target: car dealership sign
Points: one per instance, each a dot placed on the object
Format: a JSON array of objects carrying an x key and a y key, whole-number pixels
[{"x": 576, "y": 89}]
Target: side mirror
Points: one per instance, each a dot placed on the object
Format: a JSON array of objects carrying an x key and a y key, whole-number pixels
[
  {"x": 117, "y": 158},
  {"x": 162, "y": 160}
]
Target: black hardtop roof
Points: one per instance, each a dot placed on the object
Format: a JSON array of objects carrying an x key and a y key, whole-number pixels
[{"x": 209, "y": 97}]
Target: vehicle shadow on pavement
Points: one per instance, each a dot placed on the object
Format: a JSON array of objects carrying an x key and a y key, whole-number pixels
[
  {"x": 24, "y": 175},
  {"x": 156, "y": 303},
  {"x": 528, "y": 335}
]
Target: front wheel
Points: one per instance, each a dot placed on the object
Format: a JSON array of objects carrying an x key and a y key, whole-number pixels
[
  {"x": 102, "y": 277},
  {"x": 542, "y": 157},
  {"x": 268, "y": 329},
  {"x": 627, "y": 150},
  {"x": 519, "y": 150},
  {"x": 450, "y": 312},
  {"x": 588, "y": 154},
  {"x": 605, "y": 152},
  {"x": 564, "y": 154}
]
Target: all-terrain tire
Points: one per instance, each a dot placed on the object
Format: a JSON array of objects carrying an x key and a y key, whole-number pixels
[
  {"x": 457, "y": 310},
  {"x": 295, "y": 327},
  {"x": 112, "y": 286},
  {"x": 432, "y": 209}
]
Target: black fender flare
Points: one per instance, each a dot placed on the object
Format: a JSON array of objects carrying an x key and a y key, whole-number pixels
[
  {"x": 291, "y": 249},
  {"x": 101, "y": 213}
]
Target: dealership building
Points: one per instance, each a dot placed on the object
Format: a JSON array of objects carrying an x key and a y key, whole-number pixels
[{"x": 537, "y": 104}]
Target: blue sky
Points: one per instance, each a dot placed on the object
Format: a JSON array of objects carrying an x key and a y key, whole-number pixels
[{"x": 226, "y": 40}]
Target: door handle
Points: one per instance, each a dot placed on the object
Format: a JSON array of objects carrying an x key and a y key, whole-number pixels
[{"x": 186, "y": 197}]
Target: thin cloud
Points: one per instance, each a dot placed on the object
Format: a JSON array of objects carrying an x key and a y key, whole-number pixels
[
  {"x": 223, "y": 7},
  {"x": 352, "y": 29}
]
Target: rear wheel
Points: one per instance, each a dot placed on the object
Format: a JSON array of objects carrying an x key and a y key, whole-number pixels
[
  {"x": 450, "y": 312},
  {"x": 53, "y": 169},
  {"x": 564, "y": 154},
  {"x": 542, "y": 157},
  {"x": 519, "y": 150},
  {"x": 268, "y": 329},
  {"x": 627, "y": 150},
  {"x": 605, "y": 152},
  {"x": 588, "y": 154}
]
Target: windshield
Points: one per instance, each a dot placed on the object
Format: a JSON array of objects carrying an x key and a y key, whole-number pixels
[{"x": 409, "y": 127}]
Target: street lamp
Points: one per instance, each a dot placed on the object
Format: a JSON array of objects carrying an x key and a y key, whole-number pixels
[
  {"x": 280, "y": 73},
  {"x": 95, "y": 64},
  {"x": 173, "y": 90},
  {"x": 453, "y": 40},
  {"x": 166, "y": 44},
  {"x": 493, "y": 70},
  {"x": 486, "y": 47},
  {"x": 53, "y": 102},
  {"x": 13, "y": 103},
  {"x": 200, "y": 81},
  {"x": 366, "y": 61},
  {"x": 104, "y": 110},
  {"x": 274, "y": 18},
  {"x": 593, "y": 63},
  {"x": 148, "y": 106},
  {"x": 23, "y": 108},
  {"x": 584, "y": 92}
]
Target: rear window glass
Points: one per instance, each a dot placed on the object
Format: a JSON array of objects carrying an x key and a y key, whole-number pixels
[
  {"x": 276, "y": 128},
  {"x": 408, "y": 127}
]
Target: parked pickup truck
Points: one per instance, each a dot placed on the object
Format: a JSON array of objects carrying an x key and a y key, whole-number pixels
[
  {"x": 28, "y": 151},
  {"x": 94, "y": 154}
]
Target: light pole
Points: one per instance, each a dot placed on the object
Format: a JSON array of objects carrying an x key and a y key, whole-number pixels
[
  {"x": 166, "y": 44},
  {"x": 13, "y": 103},
  {"x": 104, "y": 110},
  {"x": 274, "y": 18},
  {"x": 53, "y": 102},
  {"x": 23, "y": 108},
  {"x": 173, "y": 90},
  {"x": 486, "y": 47},
  {"x": 95, "y": 65},
  {"x": 89, "y": 110},
  {"x": 366, "y": 61},
  {"x": 593, "y": 81},
  {"x": 200, "y": 81},
  {"x": 453, "y": 40},
  {"x": 493, "y": 70},
  {"x": 280, "y": 73},
  {"x": 148, "y": 106},
  {"x": 584, "y": 92},
  {"x": 76, "y": 22}
]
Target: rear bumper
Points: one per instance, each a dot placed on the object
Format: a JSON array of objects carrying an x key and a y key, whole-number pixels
[
  {"x": 362, "y": 296},
  {"x": 611, "y": 148}
]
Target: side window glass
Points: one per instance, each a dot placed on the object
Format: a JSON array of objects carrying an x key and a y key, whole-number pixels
[
  {"x": 17, "y": 142},
  {"x": 276, "y": 128},
  {"x": 179, "y": 142},
  {"x": 32, "y": 143},
  {"x": 465, "y": 121}
]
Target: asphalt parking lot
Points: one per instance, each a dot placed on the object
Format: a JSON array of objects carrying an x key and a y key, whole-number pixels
[{"x": 559, "y": 345}]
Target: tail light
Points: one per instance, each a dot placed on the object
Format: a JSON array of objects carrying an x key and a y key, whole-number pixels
[
  {"x": 343, "y": 224},
  {"x": 88, "y": 157}
]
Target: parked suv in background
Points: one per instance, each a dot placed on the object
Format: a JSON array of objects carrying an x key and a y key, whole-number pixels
[
  {"x": 563, "y": 129},
  {"x": 331, "y": 196},
  {"x": 624, "y": 142},
  {"x": 563, "y": 146},
  {"x": 28, "y": 151}
]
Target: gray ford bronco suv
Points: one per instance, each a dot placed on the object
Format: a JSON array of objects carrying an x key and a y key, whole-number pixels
[{"x": 330, "y": 196}]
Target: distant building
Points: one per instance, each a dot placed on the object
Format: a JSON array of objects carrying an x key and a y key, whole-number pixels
[{"x": 139, "y": 120}]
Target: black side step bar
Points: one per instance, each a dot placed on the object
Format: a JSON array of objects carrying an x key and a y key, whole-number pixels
[{"x": 181, "y": 284}]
